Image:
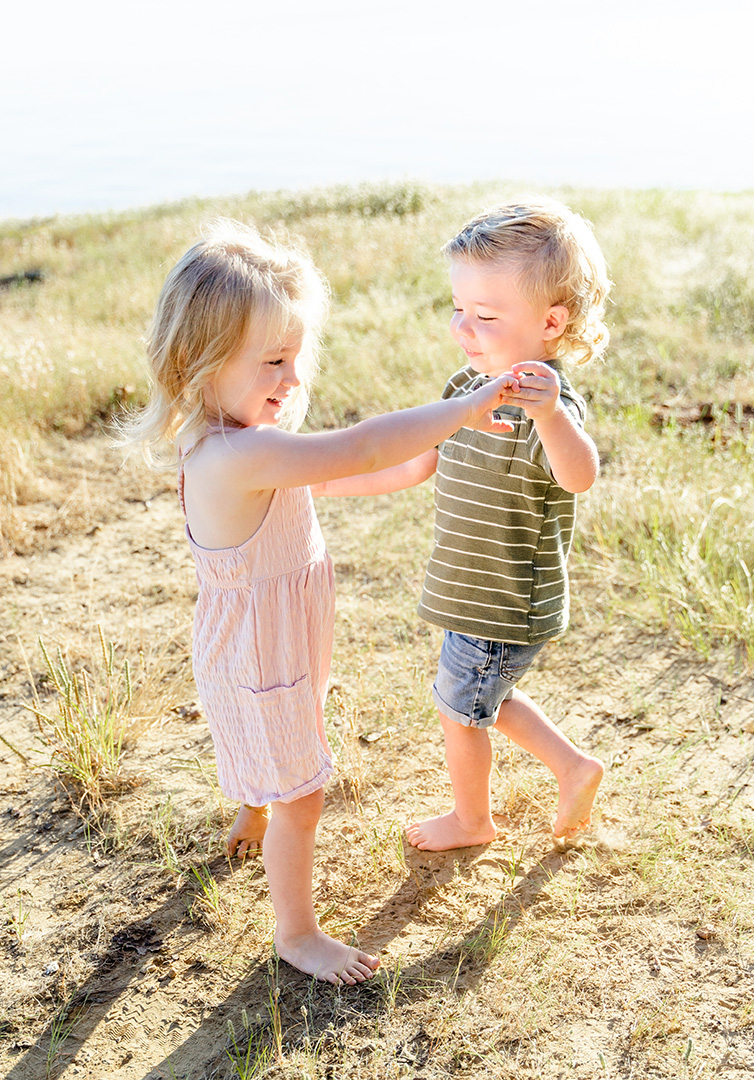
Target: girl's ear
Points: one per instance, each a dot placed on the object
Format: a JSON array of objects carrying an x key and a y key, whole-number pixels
[{"x": 556, "y": 318}]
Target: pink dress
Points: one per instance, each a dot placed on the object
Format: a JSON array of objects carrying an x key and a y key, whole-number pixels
[{"x": 263, "y": 632}]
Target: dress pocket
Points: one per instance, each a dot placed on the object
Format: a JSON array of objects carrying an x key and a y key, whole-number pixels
[{"x": 281, "y": 726}]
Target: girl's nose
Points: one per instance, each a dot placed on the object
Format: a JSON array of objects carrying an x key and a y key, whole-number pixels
[{"x": 290, "y": 375}]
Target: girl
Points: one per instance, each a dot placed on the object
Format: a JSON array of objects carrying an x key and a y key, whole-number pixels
[{"x": 232, "y": 350}]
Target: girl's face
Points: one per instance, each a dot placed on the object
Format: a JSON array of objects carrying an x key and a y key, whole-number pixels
[
  {"x": 494, "y": 324},
  {"x": 252, "y": 387}
]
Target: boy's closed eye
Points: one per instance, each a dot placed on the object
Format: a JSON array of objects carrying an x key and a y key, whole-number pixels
[{"x": 481, "y": 318}]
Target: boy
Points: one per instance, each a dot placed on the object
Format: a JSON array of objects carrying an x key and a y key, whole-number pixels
[{"x": 529, "y": 287}]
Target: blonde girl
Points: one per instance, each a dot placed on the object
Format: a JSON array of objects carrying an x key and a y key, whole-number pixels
[{"x": 232, "y": 350}]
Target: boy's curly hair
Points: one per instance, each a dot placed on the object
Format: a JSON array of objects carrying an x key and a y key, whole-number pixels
[{"x": 557, "y": 260}]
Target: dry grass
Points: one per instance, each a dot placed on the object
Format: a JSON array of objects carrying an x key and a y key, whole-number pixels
[{"x": 131, "y": 946}]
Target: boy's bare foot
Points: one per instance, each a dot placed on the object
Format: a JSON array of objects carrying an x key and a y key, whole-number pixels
[
  {"x": 446, "y": 832},
  {"x": 327, "y": 959},
  {"x": 245, "y": 838},
  {"x": 576, "y": 798}
]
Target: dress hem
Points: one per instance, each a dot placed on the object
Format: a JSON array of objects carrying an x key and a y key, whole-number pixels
[{"x": 253, "y": 798}]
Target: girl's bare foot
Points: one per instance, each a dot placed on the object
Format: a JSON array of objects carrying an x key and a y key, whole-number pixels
[
  {"x": 327, "y": 959},
  {"x": 446, "y": 832},
  {"x": 248, "y": 830},
  {"x": 576, "y": 798}
]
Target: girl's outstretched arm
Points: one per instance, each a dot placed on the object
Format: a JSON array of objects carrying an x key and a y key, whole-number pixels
[
  {"x": 264, "y": 458},
  {"x": 407, "y": 475}
]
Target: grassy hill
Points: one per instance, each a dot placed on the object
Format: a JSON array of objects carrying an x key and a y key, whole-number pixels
[
  {"x": 671, "y": 408},
  {"x": 128, "y": 945}
]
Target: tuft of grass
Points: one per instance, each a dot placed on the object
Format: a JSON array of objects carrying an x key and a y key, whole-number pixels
[
  {"x": 385, "y": 839},
  {"x": 490, "y": 941},
  {"x": 260, "y": 1044},
  {"x": 61, "y": 1027},
  {"x": 209, "y": 905},
  {"x": 165, "y": 831},
  {"x": 88, "y": 713},
  {"x": 16, "y": 917},
  {"x": 247, "y": 1053},
  {"x": 681, "y": 549},
  {"x": 85, "y": 735}
]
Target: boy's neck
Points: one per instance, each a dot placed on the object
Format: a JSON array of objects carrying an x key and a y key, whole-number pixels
[{"x": 553, "y": 361}]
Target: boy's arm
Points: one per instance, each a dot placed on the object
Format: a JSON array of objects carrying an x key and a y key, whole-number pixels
[
  {"x": 572, "y": 455},
  {"x": 408, "y": 474}
]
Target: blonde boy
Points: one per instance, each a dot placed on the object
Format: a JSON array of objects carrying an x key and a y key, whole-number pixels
[{"x": 529, "y": 286}]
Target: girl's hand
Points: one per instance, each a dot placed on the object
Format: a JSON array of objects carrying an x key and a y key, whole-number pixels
[
  {"x": 487, "y": 397},
  {"x": 537, "y": 389}
]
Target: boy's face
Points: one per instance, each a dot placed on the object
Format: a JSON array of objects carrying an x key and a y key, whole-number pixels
[{"x": 494, "y": 324}]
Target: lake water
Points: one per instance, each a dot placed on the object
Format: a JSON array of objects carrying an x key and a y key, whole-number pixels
[{"x": 172, "y": 100}]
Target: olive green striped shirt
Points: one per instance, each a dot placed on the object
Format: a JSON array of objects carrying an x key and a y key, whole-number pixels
[{"x": 503, "y": 530}]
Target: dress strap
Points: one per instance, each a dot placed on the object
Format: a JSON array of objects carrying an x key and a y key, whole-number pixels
[
  {"x": 211, "y": 429},
  {"x": 180, "y": 483}
]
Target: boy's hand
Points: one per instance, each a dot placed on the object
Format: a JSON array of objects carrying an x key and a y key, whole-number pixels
[
  {"x": 533, "y": 386},
  {"x": 487, "y": 397}
]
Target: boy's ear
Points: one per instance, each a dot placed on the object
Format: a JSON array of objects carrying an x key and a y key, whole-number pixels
[{"x": 555, "y": 322}]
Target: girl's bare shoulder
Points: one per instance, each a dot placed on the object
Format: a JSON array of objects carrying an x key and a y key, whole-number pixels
[{"x": 233, "y": 457}]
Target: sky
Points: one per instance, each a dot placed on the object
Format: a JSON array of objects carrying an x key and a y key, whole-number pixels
[{"x": 109, "y": 106}]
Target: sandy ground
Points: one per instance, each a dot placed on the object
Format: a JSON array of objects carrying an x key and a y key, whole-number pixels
[{"x": 111, "y": 966}]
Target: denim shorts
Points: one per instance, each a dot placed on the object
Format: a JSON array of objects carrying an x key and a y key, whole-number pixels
[{"x": 474, "y": 676}]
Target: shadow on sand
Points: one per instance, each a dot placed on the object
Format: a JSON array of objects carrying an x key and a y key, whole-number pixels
[{"x": 265, "y": 1005}]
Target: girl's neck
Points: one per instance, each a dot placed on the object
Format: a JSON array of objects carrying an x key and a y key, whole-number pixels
[{"x": 218, "y": 422}]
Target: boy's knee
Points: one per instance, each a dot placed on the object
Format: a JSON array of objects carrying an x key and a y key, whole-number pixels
[{"x": 456, "y": 732}]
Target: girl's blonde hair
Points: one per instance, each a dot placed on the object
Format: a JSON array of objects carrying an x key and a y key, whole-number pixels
[
  {"x": 231, "y": 280},
  {"x": 557, "y": 260}
]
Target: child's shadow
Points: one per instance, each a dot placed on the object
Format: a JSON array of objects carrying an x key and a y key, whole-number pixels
[
  {"x": 425, "y": 881},
  {"x": 119, "y": 968},
  {"x": 428, "y": 875}
]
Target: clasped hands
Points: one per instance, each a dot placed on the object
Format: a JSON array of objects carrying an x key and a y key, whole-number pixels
[{"x": 533, "y": 386}]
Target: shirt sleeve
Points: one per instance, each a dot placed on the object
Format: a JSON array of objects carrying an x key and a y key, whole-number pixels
[
  {"x": 576, "y": 406},
  {"x": 459, "y": 382}
]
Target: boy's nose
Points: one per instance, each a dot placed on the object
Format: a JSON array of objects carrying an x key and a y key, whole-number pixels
[{"x": 464, "y": 329}]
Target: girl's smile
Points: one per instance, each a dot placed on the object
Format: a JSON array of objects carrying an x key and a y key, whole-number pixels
[{"x": 254, "y": 385}]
